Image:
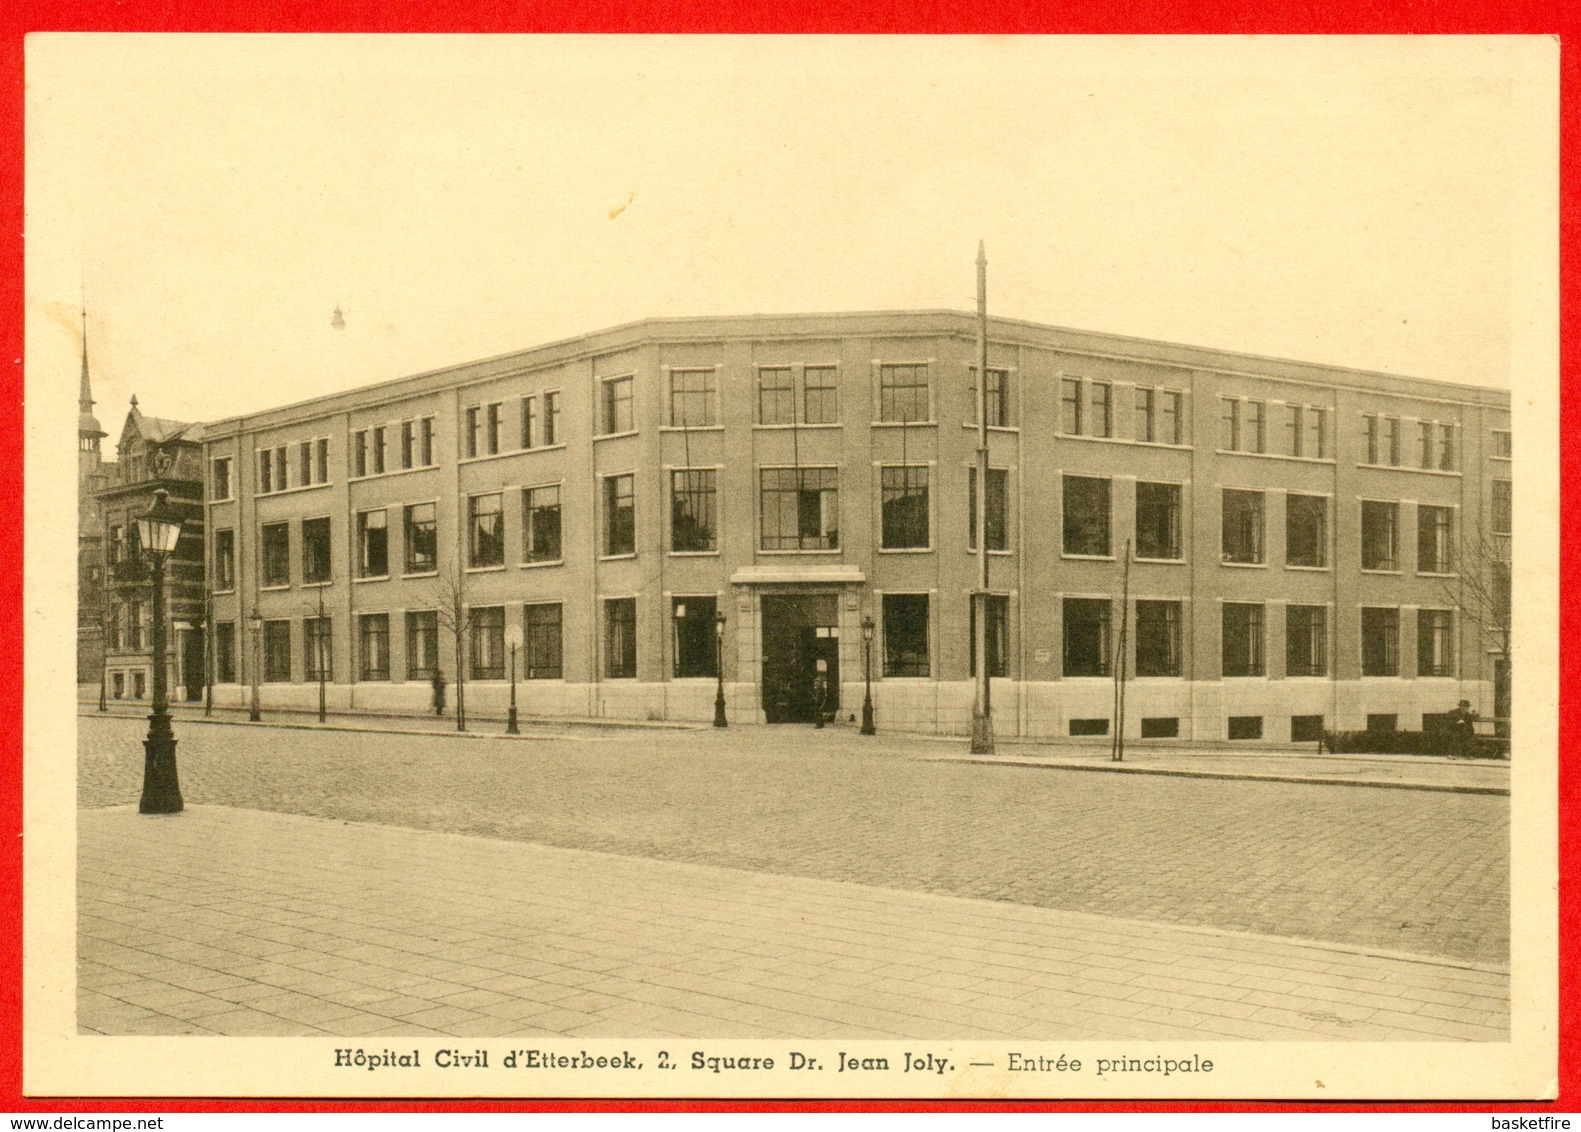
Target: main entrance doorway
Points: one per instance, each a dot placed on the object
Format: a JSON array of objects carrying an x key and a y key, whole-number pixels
[{"x": 801, "y": 643}]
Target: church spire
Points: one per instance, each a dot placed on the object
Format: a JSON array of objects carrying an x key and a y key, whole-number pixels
[
  {"x": 88, "y": 430},
  {"x": 85, "y": 398}
]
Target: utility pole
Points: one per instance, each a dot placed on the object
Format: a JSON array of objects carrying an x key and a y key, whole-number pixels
[
  {"x": 982, "y": 710},
  {"x": 1121, "y": 651}
]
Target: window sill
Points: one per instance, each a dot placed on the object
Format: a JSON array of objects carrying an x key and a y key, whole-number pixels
[
  {"x": 1318, "y": 460},
  {"x": 789, "y": 427},
  {"x": 287, "y": 491},
  {"x": 1088, "y": 557},
  {"x": 325, "y": 584},
  {"x": 1244, "y": 565},
  {"x": 420, "y": 574},
  {"x": 905, "y": 424},
  {"x": 694, "y": 554},
  {"x": 394, "y": 472},
  {"x": 232, "y": 498},
  {"x": 371, "y": 578},
  {"x": 540, "y": 565},
  {"x": 1010, "y": 429},
  {"x": 558, "y": 446},
  {"x": 223, "y": 593},
  {"x": 1407, "y": 468},
  {"x": 485, "y": 569},
  {"x": 617, "y": 558},
  {"x": 785, "y": 552},
  {"x": 485, "y": 457},
  {"x": 692, "y": 428},
  {"x": 1176, "y": 678},
  {"x": 1491, "y": 456},
  {"x": 1159, "y": 561},
  {"x": 1434, "y": 574},
  {"x": 615, "y": 436},
  {"x": 275, "y": 588},
  {"x": 905, "y": 550},
  {"x": 1244, "y": 676},
  {"x": 1382, "y": 572},
  {"x": 1308, "y": 569},
  {"x": 992, "y": 553}
]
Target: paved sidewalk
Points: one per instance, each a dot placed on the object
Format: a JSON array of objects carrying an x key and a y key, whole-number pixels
[{"x": 239, "y": 922}]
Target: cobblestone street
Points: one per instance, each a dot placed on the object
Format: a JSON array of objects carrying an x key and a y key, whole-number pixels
[{"x": 1398, "y": 870}]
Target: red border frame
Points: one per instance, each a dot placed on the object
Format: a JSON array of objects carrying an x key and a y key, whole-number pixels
[{"x": 1266, "y": 17}]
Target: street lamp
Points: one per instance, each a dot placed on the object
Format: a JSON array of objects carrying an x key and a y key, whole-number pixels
[
  {"x": 255, "y": 623},
  {"x": 867, "y": 676},
  {"x": 719, "y": 669},
  {"x": 513, "y": 638},
  {"x": 318, "y": 653},
  {"x": 160, "y": 529}
]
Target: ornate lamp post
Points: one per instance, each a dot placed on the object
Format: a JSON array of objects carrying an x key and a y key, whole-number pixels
[
  {"x": 255, "y": 624},
  {"x": 719, "y": 669},
  {"x": 160, "y": 529},
  {"x": 513, "y": 638},
  {"x": 867, "y": 676}
]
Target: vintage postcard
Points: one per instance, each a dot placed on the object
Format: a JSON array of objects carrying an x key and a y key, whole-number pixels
[{"x": 791, "y": 567}]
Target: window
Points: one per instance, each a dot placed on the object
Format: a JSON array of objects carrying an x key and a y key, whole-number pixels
[
  {"x": 904, "y": 507},
  {"x": 541, "y": 524},
  {"x": 1070, "y": 406},
  {"x": 305, "y": 462},
  {"x": 905, "y": 634},
  {"x": 1229, "y": 424},
  {"x": 617, "y": 407},
  {"x": 998, "y": 508},
  {"x": 903, "y": 393},
  {"x": 422, "y": 643},
  {"x": 486, "y": 530},
  {"x": 1372, "y": 439},
  {"x": 1434, "y": 647},
  {"x": 1089, "y": 727},
  {"x": 776, "y": 396},
  {"x": 694, "y": 636},
  {"x": 1157, "y": 416},
  {"x": 425, "y": 441},
  {"x": 1255, "y": 433},
  {"x": 1305, "y": 431},
  {"x": 541, "y": 642},
  {"x": 116, "y": 550},
  {"x": 1306, "y": 530},
  {"x": 1502, "y": 508},
  {"x": 1245, "y": 727},
  {"x": 1242, "y": 526},
  {"x": 620, "y": 638},
  {"x": 487, "y": 649},
  {"x": 529, "y": 421},
  {"x": 224, "y": 561},
  {"x": 1158, "y": 638},
  {"x": 1161, "y": 727},
  {"x": 373, "y": 545},
  {"x": 473, "y": 428},
  {"x": 315, "y": 550},
  {"x": 220, "y": 482},
  {"x": 1306, "y": 728},
  {"x": 1086, "y": 516},
  {"x": 1434, "y": 528},
  {"x": 1101, "y": 422},
  {"x": 820, "y": 395},
  {"x": 494, "y": 425},
  {"x": 115, "y": 627},
  {"x": 277, "y": 651},
  {"x": 1158, "y": 520},
  {"x": 377, "y": 446},
  {"x": 359, "y": 452},
  {"x": 1500, "y": 447},
  {"x": 1425, "y": 443},
  {"x": 551, "y": 417},
  {"x": 693, "y": 528},
  {"x": 139, "y": 685},
  {"x": 800, "y": 508},
  {"x": 1086, "y": 636},
  {"x": 408, "y": 443},
  {"x": 421, "y": 537},
  {"x": 998, "y": 636},
  {"x": 318, "y": 649},
  {"x": 692, "y": 398},
  {"x": 620, "y": 515},
  {"x": 997, "y": 395},
  {"x": 1243, "y": 639},
  {"x": 1306, "y": 640},
  {"x": 266, "y": 478},
  {"x": 1316, "y": 445},
  {"x": 321, "y": 471},
  {"x": 373, "y": 631},
  {"x": 225, "y": 652},
  {"x": 1243, "y": 425},
  {"x": 1380, "y": 535},
  {"x": 1392, "y": 441},
  {"x": 277, "y": 554},
  {"x": 134, "y": 626},
  {"x": 1380, "y": 642},
  {"x": 1295, "y": 428}
]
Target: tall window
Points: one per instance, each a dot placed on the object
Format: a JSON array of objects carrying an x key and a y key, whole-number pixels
[
  {"x": 224, "y": 561},
  {"x": 1501, "y": 516},
  {"x": 906, "y": 635},
  {"x": 1380, "y": 642},
  {"x": 425, "y": 441},
  {"x": 529, "y": 422},
  {"x": 1372, "y": 439},
  {"x": 487, "y": 648},
  {"x": 903, "y": 393},
  {"x": 1242, "y": 526},
  {"x": 693, "y": 523},
  {"x": 305, "y": 462},
  {"x": 473, "y": 430},
  {"x": 359, "y": 452},
  {"x": 373, "y": 651},
  {"x": 776, "y": 395},
  {"x": 1446, "y": 447},
  {"x": 1392, "y": 441},
  {"x": 225, "y": 652},
  {"x": 1101, "y": 420},
  {"x": 315, "y": 550},
  {"x": 1306, "y": 530},
  {"x": 694, "y": 636},
  {"x": 1305, "y": 431},
  {"x": 1243, "y": 425},
  {"x": 997, "y": 394},
  {"x": 1434, "y": 527},
  {"x": 904, "y": 507},
  {"x": 321, "y": 472},
  {"x": 265, "y": 472},
  {"x": 541, "y": 524},
  {"x": 1157, "y": 416},
  {"x": 692, "y": 398},
  {"x": 378, "y": 449},
  {"x": 1070, "y": 406},
  {"x": 134, "y": 627},
  {"x": 276, "y": 554},
  {"x": 408, "y": 443},
  {"x": 541, "y": 642},
  {"x": 1242, "y": 644},
  {"x": 373, "y": 545},
  {"x": 620, "y": 515},
  {"x": 1380, "y": 535},
  {"x": 1500, "y": 446},
  {"x": 318, "y": 648},
  {"x": 998, "y": 635},
  {"x": 800, "y": 508},
  {"x": 1158, "y": 638},
  {"x": 277, "y": 651},
  {"x": 486, "y": 530},
  {"x": 620, "y": 638},
  {"x": 820, "y": 395},
  {"x": 1157, "y": 520},
  {"x": 1295, "y": 429},
  {"x": 551, "y": 417},
  {"x": 1425, "y": 443},
  {"x": 1434, "y": 643},
  {"x": 1229, "y": 424},
  {"x": 493, "y": 427},
  {"x": 617, "y": 406},
  {"x": 422, "y": 540},
  {"x": 220, "y": 481},
  {"x": 1086, "y": 517},
  {"x": 1306, "y": 640},
  {"x": 422, "y": 643},
  {"x": 998, "y": 505},
  {"x": 1086, "y": 636}
]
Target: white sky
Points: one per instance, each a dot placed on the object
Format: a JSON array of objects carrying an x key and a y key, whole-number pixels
[{"x": 1336, "y": 201}]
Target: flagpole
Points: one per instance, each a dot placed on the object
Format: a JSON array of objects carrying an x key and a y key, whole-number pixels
[{"x": 982, "y": 710}]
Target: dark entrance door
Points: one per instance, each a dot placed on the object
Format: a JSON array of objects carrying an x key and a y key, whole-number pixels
[
  {"x": 192, "y": 663},
  {"x": 801, "y": 657}
]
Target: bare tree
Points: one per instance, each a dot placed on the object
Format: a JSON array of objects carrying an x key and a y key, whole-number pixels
[
  {"x": 1480, "y": 593},
  {"x": 454, "y": 615}
]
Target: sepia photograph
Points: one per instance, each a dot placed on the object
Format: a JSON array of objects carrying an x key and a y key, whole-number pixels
[{"x": 792, "y": 566}]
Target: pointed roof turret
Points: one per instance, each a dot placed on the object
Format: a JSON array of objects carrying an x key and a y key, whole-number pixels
[{"x": 87, "y": 423}]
